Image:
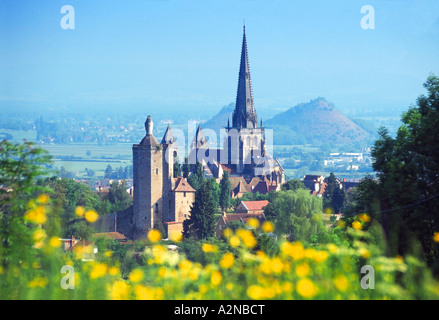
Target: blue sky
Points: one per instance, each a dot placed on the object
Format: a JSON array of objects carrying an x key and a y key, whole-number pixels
[{"x": 184, "y": 54}]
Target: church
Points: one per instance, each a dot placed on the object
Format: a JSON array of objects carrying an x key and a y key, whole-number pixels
[{"x": 160, "y": 198}]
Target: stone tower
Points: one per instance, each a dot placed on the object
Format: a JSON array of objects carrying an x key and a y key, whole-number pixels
[
  {"x": 169, "y": 149},
  {"x": 148, "y": 182},
  {"x": 245, "y": 140}
]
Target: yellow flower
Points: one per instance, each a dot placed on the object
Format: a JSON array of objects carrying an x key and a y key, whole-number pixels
[
  {"x": 306, "y": 288},
  {"x": 328, "y": 210},
  {"x": 332, "y": 248},
  {"x": 268, "y": 227},
  {"x": 234, "y": 241},
  {"x": 91, "y": 216},
  {"x": 253, "y": 223},
  {"x": 227, "y": 261},
  {"x": 55, "y": 242},
  {"x": 295, "y": 250},
  {"x": 119, "y": 291},
  {"x": 436, "y": 237},
  {"x": 38, "y": 282},
  {"x": 364, "y": 253},
  {"x": 364, "y": 217},
  {"x": 255, "y": 292},
  {"x": 357, "y": 225},
  {"x": 43, "y": 199},
  {"x": 79, "y": 211},
  {"x": 277, "y": 265},
  {"x": 154, "y": 235},
  {"x": 113, "y": 271},
  {"x": 146, "y": 293},
  {"x": 99, "y": 270},
  {"x": 136, "y": 275},
  {"x": 341, "y": 283},
  {"x": 108, "y": 253},
  {"x": 207, "y": 247},
  {"x": 320, "y": 256},
  {"x": 37, "y": 215},
  {"x": 247, "y": 238},
  {"x": 303, "y": 269},
  {"x": 39, "y": 235},
  {"x": 227, "y": 232},
  {"x": 176, "y": 237},
  {"x": 216, "y": 278},
  {"x": 341, "y": 224},
  {"x": 185, "y": 265}
]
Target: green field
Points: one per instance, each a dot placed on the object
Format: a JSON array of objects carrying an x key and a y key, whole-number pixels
[{"x": 93, "y": 156}]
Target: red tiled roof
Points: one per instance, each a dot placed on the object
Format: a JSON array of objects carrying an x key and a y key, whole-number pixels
[
  {"x": 262, "y": 187},
  {"x": 255, "y": 205},
  {"x": 243, "y": 216},
  {"x": 181, "y": 185}
]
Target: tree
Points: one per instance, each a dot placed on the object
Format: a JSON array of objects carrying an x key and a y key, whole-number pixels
[
  {"x": 118, "y": 196},
  {"x": 293, "y": 184},
  {"x": 201, "y": 223},
  {"x": 177, "y": 168},
  {"x": 297, "y": 214},
  {"x": 20, "y": 167},
  {"x": 215, "y": 191},
  {"x": 334, "y": 195},
  {"x": 109, "y": 172},
  {"x": 186, "y": 168},
  {"x": 196, "y": 179},
  {"x": 407, "y": 168},
  {"x": 225, "y": 187}
]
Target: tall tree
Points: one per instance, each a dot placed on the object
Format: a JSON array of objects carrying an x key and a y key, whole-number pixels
[
  {"x": 334, "y": 195},
  {"x": 407, "y": 167},
  {"x": 225, "y": 187},
  {"x": 196, "y": 179},
  {"x": 201, "y": 223},
  {"x": 297, "y": 214},
  {"x": 186, "y": 168},
  {"x": 109, "y": 172}
]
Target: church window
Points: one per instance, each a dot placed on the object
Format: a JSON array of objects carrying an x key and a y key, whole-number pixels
[
  {"x": 156, "y": 171},
  {"x": 184, "y": 194}
]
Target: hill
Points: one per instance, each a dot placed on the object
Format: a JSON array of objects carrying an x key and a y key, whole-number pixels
[
  {"x": 219, "y": 121},
  {"x": 315, "y": 122}
]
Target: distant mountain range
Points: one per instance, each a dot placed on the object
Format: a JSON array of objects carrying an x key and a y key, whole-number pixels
[{"x": 315, "y": 122}]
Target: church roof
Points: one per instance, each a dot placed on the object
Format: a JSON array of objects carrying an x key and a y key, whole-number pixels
[
  {"x": 200, "y": 140},
  {"x": 244, "y": 115},
  {"x": 182, "y": 185},
  {"x": 149, "y": 139},
  {"x": 168, "y": 137}
]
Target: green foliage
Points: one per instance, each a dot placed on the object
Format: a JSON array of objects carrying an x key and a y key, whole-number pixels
[
  {"x": 201, "y": 223},
  {"x": 293, "y": 184},
  {"x": 118, "y": 196},
  {"x": 225, "y": 186},
  {"x": 67, "y": 196},
  {"x": 334, "y": 195},
  {"x": 297, "y": 214},
  {"x": 408, "y": 186},
  {"x": 196, "y": 179}
]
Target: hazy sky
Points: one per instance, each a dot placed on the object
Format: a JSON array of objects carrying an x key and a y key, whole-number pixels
[{"x": 182, "y": 54}]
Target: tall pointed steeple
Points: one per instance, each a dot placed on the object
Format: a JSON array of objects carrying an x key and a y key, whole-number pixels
[{"x": 244, "y": 115}]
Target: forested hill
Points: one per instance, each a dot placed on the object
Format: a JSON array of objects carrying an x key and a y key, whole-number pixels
[{"x": 317, "y": 121}]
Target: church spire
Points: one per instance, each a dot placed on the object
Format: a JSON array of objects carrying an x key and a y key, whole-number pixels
[{"x": 244, "y": 115}]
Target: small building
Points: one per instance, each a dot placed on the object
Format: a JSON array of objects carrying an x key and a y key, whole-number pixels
[
  {"x": 243, "y": 217},
  {"x": 251, "y": 207}
]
